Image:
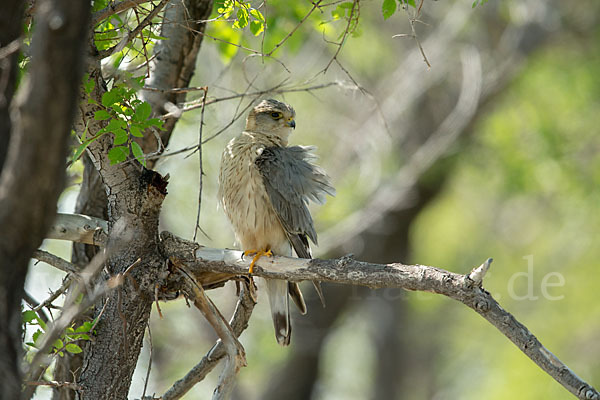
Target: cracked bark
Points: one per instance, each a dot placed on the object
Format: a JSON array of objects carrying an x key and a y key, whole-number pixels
[{"x": 126, "y": 202}]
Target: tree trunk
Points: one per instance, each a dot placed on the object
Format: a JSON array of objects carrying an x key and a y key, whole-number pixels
[{"x": 34, "y": 168}]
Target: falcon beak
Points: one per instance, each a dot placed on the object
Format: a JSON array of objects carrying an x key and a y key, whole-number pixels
[{"x": 291, "y": 123}]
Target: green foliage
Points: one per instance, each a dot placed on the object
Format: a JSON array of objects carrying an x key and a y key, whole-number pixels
[
  {"x": 478, "y": 2},
  {"x": 282, "y": 22},
  {"x": 388, "y": 8},
  {"x": 526, "y": 189},
  {"x": 246, "y": 15},
  {"x": 127, "y": 117},
  {"x": 66, "y": 342}
]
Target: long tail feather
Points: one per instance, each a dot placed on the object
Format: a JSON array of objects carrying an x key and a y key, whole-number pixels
[{"x": 280, "y": 310}]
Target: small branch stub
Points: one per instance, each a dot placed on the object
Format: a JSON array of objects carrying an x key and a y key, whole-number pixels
[{"x": 478, "y": 273}]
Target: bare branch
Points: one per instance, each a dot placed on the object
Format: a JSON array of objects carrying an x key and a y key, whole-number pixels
[
  {"x": 229, "y": 264},
  {"x": 53, "y": 260},
  {"x": 236, "y": 356},
  {"x": 238, "y": 323},
  {"x": 79, "y": 228},
  {"x": 410, "y": 277},
  {"x": 69, "y": 385}
]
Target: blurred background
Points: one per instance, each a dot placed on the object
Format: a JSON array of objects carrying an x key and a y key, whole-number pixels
[{"x": 491, "y": 151}]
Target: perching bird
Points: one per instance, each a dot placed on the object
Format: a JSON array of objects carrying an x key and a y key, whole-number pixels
[{"x": 264, "y": 189}]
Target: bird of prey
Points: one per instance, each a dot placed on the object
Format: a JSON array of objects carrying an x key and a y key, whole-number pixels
[{"x": 264, "y": 189}]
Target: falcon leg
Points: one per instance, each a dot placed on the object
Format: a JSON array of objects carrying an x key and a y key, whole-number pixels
[{"x": 257, "y": 254}]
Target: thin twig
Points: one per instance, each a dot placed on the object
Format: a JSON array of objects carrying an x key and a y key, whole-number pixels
[
  {"x": 115, "y": 8},
  {"x": 56, "y": 384},
  {"x": 136, "y": 31},
  {"x": 54, "y": 295},
  {"x": 55, "y": 261},
  {"x": 201, "y": 174},
  {"x": 278, "y": 45},
  {"x": 149, "y": 361},
  {"x": 276, "y": 90},
  {"x": 355, "y": 8},
  {"x": 238, "y": 322}
]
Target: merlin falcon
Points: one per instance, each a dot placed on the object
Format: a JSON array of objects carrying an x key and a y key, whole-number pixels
[{"x": 264, "y": 188}]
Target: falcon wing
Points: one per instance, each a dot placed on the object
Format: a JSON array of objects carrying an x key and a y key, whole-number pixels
[{"x": 291, "y": 180}]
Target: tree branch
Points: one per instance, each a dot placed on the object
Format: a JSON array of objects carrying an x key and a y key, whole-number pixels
[
  {"x": 115, "y": 8},
  {"x": 236, "y": 356},
  {"x": 79, "y": 228},
  {"x": 238, "y": 323},
  {"x": 212, "y": 267},
  {"x": 463, "y": 288}
]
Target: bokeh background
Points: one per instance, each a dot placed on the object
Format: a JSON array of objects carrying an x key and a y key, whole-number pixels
[{"x": 492, "y": 151}]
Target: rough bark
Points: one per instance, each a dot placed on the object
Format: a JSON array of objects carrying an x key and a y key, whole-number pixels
[
  {"x": 11, "y": 15},
  {"x": 33, "y": 172},
  {"x": 173, "y": 66}
]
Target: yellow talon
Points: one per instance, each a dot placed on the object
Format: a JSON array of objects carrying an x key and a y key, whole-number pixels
[{"x": 257, "y": 254}]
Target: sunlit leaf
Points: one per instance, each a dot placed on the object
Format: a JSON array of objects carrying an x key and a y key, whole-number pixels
[
  {"x": 118, "y": 154},
  {"x": 138, "y": 153},
  {"x": 388, "y": 8},
  {"x": 101, "y": 115},
  {"x": 121, "y": 136},
  {"x": 73, "y": 348},
  {"x": 29, "y": 316},
  {"x": 142, "y": 112}
]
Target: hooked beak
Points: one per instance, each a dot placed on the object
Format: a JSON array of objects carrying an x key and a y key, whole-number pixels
[{"x": 291, "y": 123}]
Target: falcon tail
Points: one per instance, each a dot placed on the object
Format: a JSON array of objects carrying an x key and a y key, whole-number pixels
[{"x": 280, "y": 310}]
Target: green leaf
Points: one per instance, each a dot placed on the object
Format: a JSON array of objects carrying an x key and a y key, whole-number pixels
[
  {"x": 29, "y": 316},
  {"x": 101, "y": 115},
  {"x": 121, "y": 136},
  {"x": 109, "y": 98},
  {"x": 85, "y": 327},
  {"x": 138, "y": 153},
  {"x": 242, "y": 18},
  {"x": 36, "y": 338},
  {"x": 89, "y": 84},
  {"x": 256, "y": 27},
  {"x": 156, "y": 122},
  {"x": 136, "y": 131},
  {"x": 86, "y": 143},
  {"x": 153, "y": 35},
  {"x": 258, "y": 15},
  {"x": 73, "y": 348},
  {"x": 388, "y": 8},
  {"x": 118, "y": 154},
  {"x": 115, "y": 124},
  {"x": 142, "y": 112},
  {"x": 58, "y": 344}
]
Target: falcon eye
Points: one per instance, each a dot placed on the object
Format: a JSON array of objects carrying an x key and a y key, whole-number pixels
[{"x": 276, "y": 115}]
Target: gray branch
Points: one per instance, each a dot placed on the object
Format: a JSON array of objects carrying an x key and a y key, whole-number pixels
[
  {"x": 212, "y": 267},
  {"x": 463, "y": 288}
]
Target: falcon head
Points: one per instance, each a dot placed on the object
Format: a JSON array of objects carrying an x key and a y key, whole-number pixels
[{"x": 272, "y": 117}]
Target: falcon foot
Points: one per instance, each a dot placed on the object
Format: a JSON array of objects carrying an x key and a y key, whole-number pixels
[{"x": 257, "y": 254}]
